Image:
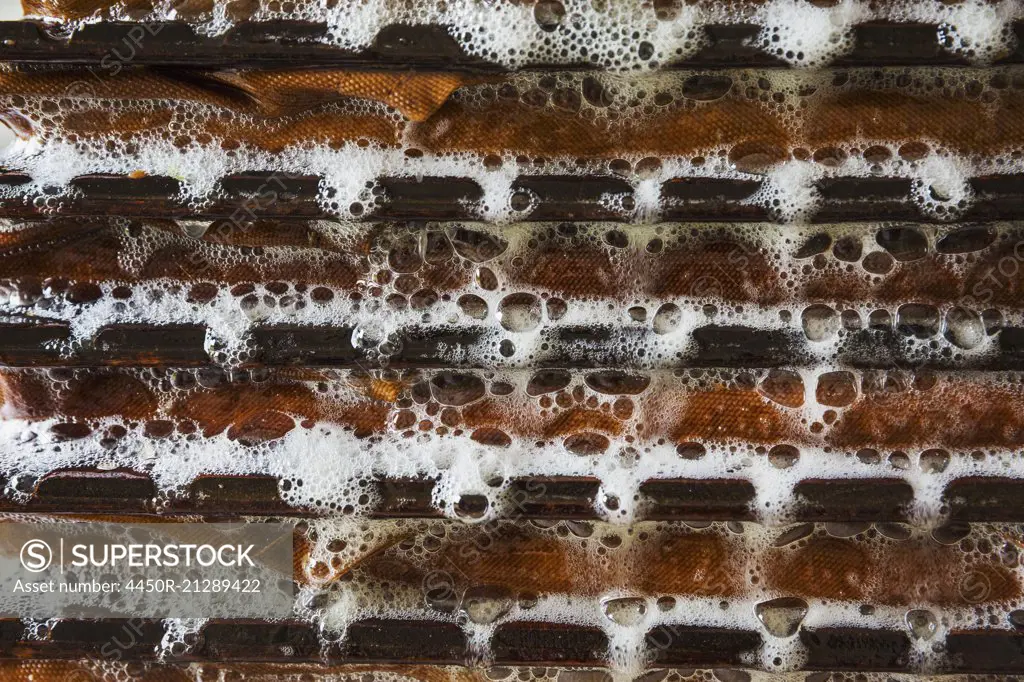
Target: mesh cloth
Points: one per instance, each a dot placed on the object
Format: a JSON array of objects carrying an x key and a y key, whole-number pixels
[
  {"x": 275, "y": 109},
  {"x": 900, "y": 574},
  {"x": 728, "y": 267},
  {"x": 269, "y": 110},
  {"x": 666, "y": 411}
]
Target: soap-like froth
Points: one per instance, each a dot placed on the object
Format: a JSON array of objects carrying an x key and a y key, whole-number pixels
[{"x": 326, "y": 435}]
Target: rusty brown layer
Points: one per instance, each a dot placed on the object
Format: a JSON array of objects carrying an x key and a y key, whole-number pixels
[
  {"x": 726, "y": 266},
  {"x": 583, "y": 420},
  {"x": 519, "y": 560},
  {"x": 252, "y": 413},
  {"x": 734, "y": 270},
  {"x": 932, "y": 279},
  {"x": 283, "y": 91},
  {"x": 85, "y": 671},
  {"x": 956, "y": 414},
  {"x": 871, "y": 409},
  {"x": 725, "y": 414},
  {"x": 522, "y": 561},
  {"x": 275, "y": 109},
  {"x": 326, "y": 127},
  {"x": 261, "y": 413},
  {"x": 270, "y": 110},
  {"x": 514, "y": 126},
  {"x": 753, "y": 133},
  {"x": 85, "y": 251},
  {"x": 65, "y": 9},
  {"x": 89, "y": 251},
  {"x": 896, "y": 573},
  {"x": 275, "y": 92},
  {"x": 995, "y": 277},
  {"x": 955, "y": 122}
]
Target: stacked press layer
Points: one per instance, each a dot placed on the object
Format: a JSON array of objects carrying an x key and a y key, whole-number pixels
[
  {"x": 788, "y": 131},
  {"x": 623, "y": 35}
]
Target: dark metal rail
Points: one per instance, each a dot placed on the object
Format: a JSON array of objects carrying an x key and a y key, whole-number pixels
[{"x": 109, "y": 45}]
